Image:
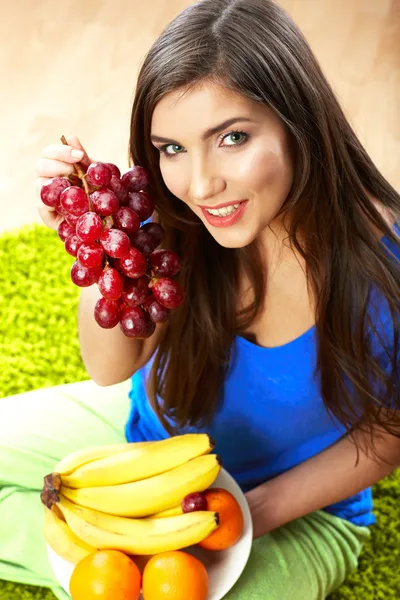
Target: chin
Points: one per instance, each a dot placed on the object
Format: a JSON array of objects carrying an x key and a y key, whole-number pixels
[{"x": 233, "y": 240}]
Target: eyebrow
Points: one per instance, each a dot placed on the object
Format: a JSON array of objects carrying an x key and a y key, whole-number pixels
[{"x": 207, "y": 134}]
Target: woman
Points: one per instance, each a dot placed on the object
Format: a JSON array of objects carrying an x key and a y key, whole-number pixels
[{"x": 286, "y": 347}]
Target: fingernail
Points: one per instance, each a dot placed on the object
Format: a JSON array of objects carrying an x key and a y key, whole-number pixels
[{"x": 77, "y": 153}]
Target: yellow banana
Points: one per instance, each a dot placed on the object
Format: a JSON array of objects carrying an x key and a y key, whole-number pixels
[
  {"x": 170, "y": 512},
  {"x": 62, "y": 540},
  {"x": 140, "y": 462},
  {"x": 152, "y": 495},
  {"x": 138, "y": 536},
  {"x": 84, "y": 456}
]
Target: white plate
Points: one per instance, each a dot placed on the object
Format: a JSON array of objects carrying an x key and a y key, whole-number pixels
[{"x": 224, "y": 567}]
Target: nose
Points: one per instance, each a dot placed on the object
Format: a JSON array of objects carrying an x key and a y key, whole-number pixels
[{"x": 205, "y": 182}]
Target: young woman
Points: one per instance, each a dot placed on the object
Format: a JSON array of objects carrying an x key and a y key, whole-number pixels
[{"x": 286, "y": 347}]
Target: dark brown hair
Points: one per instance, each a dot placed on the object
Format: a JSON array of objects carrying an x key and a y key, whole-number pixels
[{"x": 253, "y": 48}]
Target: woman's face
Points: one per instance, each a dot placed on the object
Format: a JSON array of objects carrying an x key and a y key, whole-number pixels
[{"x": 235, "y": 179}]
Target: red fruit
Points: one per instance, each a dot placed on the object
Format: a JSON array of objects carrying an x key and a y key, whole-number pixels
[
  {"x": 133, "y": 264},
  {"x": 157, "y": 312},
  {"x": 83, "y": 276},
  {"x": 168, "y": 292},
  {"x": 107, "y": 313},
  {"x": 72, "y": 244},
  {"x": 165, "y": 263},
  {"x": 143, "y": 241},
  {"x": 50, "y": 192},
  {"x": 98, "y": 174},
  {"x": 142, "y": 204},
  {"x": 193, "y": 502},
  {"x": 136, "y": 291},
  {"x": 65, "y": 230},
  {"x": 114, "y": 169},
  {"x": 135, "y": 179},
  {"x": 74, "y": 200},
  {"x": 115, "y": 243},
  {"x": 89, "y": 227},
  {"x": 110, "y": 284},
  {"x": 90, "y": 255},
  {"x": 72, "y": 220},
  {"x": 104, "y": 202},
  {"x": 119, "y": 190},
  {"x": 126, "y": 220},
  {"x": 135, "y": 323},
  {"x": 156, "y": 232}
]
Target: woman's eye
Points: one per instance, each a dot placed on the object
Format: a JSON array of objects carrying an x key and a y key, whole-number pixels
[{"x": 243, "y": 137}]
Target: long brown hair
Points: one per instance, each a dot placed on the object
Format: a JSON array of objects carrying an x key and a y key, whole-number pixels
[{"x": 253, "y": 48}]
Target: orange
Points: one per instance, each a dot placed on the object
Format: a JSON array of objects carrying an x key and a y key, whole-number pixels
[
  {"x": 105, "y": 575},
  {"x": 175, "y": 575},
  {"x": 230, "y": 520}
]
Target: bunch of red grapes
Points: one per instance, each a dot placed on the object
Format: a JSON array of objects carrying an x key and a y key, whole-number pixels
[{"x": 102, "y": 228}]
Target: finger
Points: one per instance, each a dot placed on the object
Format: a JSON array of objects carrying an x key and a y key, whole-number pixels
[
  {"x": 46, "y": 167},
  {"x": 63, "y": 153},
  {"x": 50, "y": 218},
  {"x": 74, "y": 141}
]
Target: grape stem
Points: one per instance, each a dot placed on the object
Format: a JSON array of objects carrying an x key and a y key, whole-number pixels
[{"x": 81, "y": 175}]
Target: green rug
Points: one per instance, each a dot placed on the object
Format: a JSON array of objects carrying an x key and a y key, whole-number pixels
[{"x": 39, "y": 348}]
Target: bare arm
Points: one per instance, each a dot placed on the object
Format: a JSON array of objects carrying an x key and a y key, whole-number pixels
[
  {"x": 109, "y": 356},
  {"x": 324, "y": 479}
]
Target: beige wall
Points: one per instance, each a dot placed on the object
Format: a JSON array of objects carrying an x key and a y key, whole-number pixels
[{"x": 70, "y": 66}]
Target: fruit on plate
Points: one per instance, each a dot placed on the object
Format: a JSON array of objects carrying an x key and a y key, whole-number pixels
[
  {"x": 62, "y": 540},
  {"x": 150, "y": 495},
  {"x": 79, "y": 458},
  {"x": 175, "y": 576},
  {"x": 105, "y": 574},
  {"x": 230, "y": 520},
  {"x": 137, "y": 536},
  {"x": 194, "y": 501},
  {"x": 140, "y": 462},
  {"x": 143, "y": 515},
  {"x": 103, "y": 211}
]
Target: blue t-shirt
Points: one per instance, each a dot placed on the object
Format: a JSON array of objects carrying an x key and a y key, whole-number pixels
[{"x": 272, "y": 416}]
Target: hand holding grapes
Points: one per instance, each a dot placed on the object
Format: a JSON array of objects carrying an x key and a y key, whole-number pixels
[
  {"x": 98, "y": 214},
  {"x": 58, "y": 161}
]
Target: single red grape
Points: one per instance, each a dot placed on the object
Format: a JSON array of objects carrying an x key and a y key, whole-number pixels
[
  {"x": 135, "y": 323},
  {"x": 133, "y": 263},
  {"x": 119, "y": 190},
  {"x": 157, "y": 312},
  {"x": 89, "y": 227},
  {"x": 90, "y": 255},
  {"x": 156, "y": 232},
  {"x": 168, "y": 292},
  {"x": 72, "y": 244},
  {"x": 71, "y": 220},
  {"x": 142, "y": 204},
  {"x": 65, "y": 230},
  {"x": 104, "y": 202},
  {"x": 136, "y": 291},
  {"x": 74, "y": 200},
  {"x": 126, "y": 220},
  {"x": 114, "y": 170},
  {"x": 143, "y": 241},
  {"x": 107, "y": 313},
  {"x": 51, "y": 191},
  {"x": 110, "y": 284},
  {"x": 83, "y": 276},
  {"x": 115, "y": 243},
  {"x": 135, "y": 179},
  {"x": 194, "y": 502},
  {"x": 165, "y": 263},
  {"x": 98, "y": 174}
]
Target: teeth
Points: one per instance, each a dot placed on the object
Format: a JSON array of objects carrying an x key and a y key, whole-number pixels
[{"x": 223, "y": 212}]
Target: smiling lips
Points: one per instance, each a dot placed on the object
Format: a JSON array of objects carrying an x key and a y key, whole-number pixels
[{"x": 225, "y": 215}]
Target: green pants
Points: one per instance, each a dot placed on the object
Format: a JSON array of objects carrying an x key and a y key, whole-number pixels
[{"x": 304, "y": 560}]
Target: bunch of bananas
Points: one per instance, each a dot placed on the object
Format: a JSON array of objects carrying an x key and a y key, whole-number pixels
[{"x": 128, "y": 497}]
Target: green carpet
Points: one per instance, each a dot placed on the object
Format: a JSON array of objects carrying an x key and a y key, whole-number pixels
[{"x": 39, "y": 348}]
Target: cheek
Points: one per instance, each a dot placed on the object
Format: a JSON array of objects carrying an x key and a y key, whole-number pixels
[
  {"x": 269, "y": 170},
  {"x": 175, "y": 184}
]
